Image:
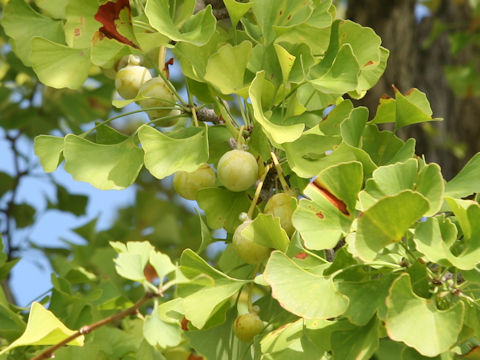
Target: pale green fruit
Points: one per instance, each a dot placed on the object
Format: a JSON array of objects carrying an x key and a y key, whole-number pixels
[
  {"x": 129, "y": 80},
  {"x": 237, "y": 170},
  {"x": 246, "y": 326},
  {"x": 282, "y": 206},
  {"x": 160, "y": 95},
  {"x": 248, "y": 250},
  {"x": 187, "y": 184}
]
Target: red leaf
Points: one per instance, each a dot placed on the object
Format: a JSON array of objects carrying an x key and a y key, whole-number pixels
[
  {"x": 184, "y": 324},
  {"x": 150, "y": 273},
  {"x": 109, "y": 14}
]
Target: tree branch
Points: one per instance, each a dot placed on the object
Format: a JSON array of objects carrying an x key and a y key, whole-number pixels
[{"x": 48, "y": 353}]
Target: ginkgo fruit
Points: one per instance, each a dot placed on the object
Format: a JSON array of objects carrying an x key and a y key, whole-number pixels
[
  {"x": 282, "y": 205},
  {"x": 247, "y": 326},
  {"x": 248, "y": 250},
  {"x": 130, "y": 78},
  {"x": 237, "y": 170},
  {"x": 159, "y": 95},
  {"x": 187, "y": 184}
]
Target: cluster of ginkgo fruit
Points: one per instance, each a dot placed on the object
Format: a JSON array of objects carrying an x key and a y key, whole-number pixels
[
  {"x": 237, "y": 171},
  {"x": 134, "y": 81}
]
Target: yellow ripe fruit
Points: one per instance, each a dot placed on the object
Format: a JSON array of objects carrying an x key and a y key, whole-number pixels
[
  {"x": 282, "y": 206},
  {"x": 246, "y": 326},
  {"x": 187, "y": 184},
  {"x": 159, "y": 95},
  {"x": 237, "y": 170},
  {"x": 248, "y": 250},
  {"x": 129, "y": 80}
]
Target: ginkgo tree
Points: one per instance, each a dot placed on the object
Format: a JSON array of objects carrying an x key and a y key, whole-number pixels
[{"x": 341, "y": 242}]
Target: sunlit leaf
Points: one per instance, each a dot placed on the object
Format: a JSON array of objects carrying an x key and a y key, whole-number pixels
[
  {"x": 226, "y": 68},
  {"x": 43, "y": 328},
  {"x": 278, "y": 133},
  {"x": 387, "y": 221},
  {"x": 114, "y": 166},
  {"x": 22, "y": 23},
  {"x": 303, "y": 293},
  {"x": 58, "y": 65},
  {"x": 196, "y": 30},
  {"x": 405, "y": 311},
  {"x": 167, "y": 154}
]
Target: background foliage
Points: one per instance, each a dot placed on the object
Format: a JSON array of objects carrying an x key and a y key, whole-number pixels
[{"x": 382, "y": 242}]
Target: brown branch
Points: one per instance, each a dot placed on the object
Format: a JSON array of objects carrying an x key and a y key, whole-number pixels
[{"x": 48, "y": 353}]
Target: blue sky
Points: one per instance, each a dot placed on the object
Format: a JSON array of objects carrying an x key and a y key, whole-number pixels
[{"x": 31, "y": 276}]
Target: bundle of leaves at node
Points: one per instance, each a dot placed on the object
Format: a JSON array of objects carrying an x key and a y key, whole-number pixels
[{"x": 341, "y": 242}]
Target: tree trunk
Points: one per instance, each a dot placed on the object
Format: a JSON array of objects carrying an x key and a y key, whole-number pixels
[{"x": 411, "y": 64}]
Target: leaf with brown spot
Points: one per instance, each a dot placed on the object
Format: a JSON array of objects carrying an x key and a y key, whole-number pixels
[{"x": 116, "y": 18}]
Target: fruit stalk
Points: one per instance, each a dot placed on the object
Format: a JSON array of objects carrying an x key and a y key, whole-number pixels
[{"x": 257, "y": 191}]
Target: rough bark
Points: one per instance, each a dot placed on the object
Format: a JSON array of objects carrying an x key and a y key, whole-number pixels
[{"x": 412, "y": 65}]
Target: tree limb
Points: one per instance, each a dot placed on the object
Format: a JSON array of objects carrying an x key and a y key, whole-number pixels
[{"x": 48, "y": 353}]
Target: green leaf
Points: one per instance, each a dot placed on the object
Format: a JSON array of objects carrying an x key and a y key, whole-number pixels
[
  {"x": 279, "y": 14},
  {"x": 55, "y": 8},
  {"x": 219, "y": 342},
  {"x": 22, "y": 23},
  {"x": 327, "y": 216},
  {"x": 286, "y": 61},
  {"x": 278, "y": 133},
  {"x": 58, "y": 65},
  {"x": 205, "y": 233},
  {"x": 49, "y": 149},
  {"x": 132, "y": 258},
  {"x": 108, "y": 135},
  {"x": 331, "y": 124},
  {"x": 387, "y": 221},
  {"x": 411, "y": 108},
  {"x": 384, "y": 147},
  {"x": 406, "y": 311},
  {"x": 193, "y": 265},
  {"x": 391, "y": 179},
  {"x": 160, "y": 333},
  {"x": 339, "y": 76},
  {"x": 162, "y": 264},
  {"x": 222, "y": 207},
  {"x": 43, "y": 328},
  {"x": 11, "y": 323},
  {"x": 113, "y": 166},
  {"x": 182, "y": 151},
  {"x": 297, "y": 289},
  {"x": 196, "y": 30},
  {"x": 236, "y": 10},
  {"x": 366, "y": 297},
  {"x": 304, "y": 155},
  {"x": 436, "y": 236},
  {"x": 226, "y": 68},
  {"x": 291, "y": 341},
  {"x": 24, "y": 214},
  {"x": 266, "y": 230},
  {"x": 466, "y": 181},
  {"x": 104, "y": 51},
  {"x": 76, "y": 204},
  {"x": 81, "y": 24},
  {"x": 6, "y": 183},
  {"x": 200, "y": 306},
  {"x": 359, "y": 343},
  {"x": 352, "y": 128}
]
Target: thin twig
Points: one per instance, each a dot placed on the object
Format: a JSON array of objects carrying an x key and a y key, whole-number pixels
[{"x": 48, "y": 353}]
